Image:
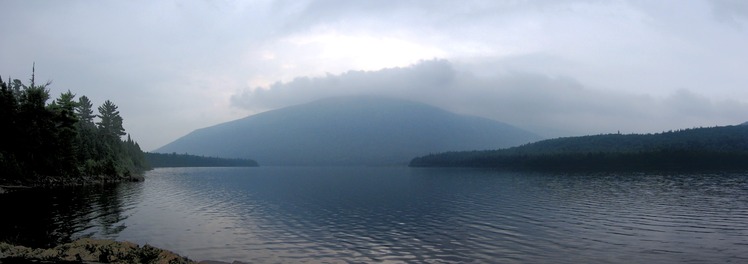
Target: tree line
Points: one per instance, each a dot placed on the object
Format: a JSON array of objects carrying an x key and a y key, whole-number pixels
[
  {"x": 159, "y": 160},
  {"x": 61, "y": 140},
  {"x": 714, "y": 148}
]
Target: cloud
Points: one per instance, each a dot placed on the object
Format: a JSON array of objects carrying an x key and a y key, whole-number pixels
[
  {"x": 731, "y": 11},
  {"x": 174, "y": 66},
  {"x": 548, "y": 105}
]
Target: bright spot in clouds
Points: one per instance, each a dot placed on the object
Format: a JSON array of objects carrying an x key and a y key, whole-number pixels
[
  {"x": 580, "y": 66},
  {"x": 363, "y": 52}
]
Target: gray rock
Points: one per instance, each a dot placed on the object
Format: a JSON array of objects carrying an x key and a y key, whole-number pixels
[
  {"x": 88, "y": 250},
  {"x": 220, "y": 262}
]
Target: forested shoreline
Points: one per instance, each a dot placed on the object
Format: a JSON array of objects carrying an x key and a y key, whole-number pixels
[
  {"x": 714, "y": 148},
  {"x": 63, "y": 141},
  {"x": 162, "y": 160}
]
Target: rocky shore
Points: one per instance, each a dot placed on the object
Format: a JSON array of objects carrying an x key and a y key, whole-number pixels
[{"x": 89, "y": 250}]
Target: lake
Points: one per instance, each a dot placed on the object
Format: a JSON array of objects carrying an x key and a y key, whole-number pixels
[{"x": 398, "y": 214}]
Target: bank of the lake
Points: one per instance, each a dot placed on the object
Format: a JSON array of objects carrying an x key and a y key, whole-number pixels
[
  {"x": 54, "y": 182},
  {"x": 62, "y": 142},
  {"x": 174, "y": 160},
  {"x": 685, "y": 151},
  {"x": 88, "y": 250}
]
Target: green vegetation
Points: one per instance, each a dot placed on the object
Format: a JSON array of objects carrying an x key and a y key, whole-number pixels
[
  {"x": 61, "y": 141},
  {"x": 716, "y": 148},
  {"x": 158, "y": 160}
]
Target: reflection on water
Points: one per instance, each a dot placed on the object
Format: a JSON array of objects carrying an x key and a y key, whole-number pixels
[
  {"x": 285, "y": 215},
  {"x": 47, "y": 217}
]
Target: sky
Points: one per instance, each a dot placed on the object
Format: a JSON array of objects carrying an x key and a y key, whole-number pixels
[{"x": 553, "y": 67}]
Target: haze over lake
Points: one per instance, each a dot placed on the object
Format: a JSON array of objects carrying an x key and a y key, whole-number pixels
[
  {"x": 571, "y": 131},
  {"x": 359, "y": 214}
]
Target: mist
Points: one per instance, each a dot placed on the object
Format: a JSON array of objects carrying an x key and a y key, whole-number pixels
[
  {"x": 551, "y": 106},
  {"x": 613, "y": 65}
]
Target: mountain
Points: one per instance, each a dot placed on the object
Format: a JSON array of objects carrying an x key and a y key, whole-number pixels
[
  {"x": 714, "y": 148},
  {"x": 354, "y": 130}
]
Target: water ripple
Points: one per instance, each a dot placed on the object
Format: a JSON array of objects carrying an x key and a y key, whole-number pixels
[{"x": 363, "y": 215}]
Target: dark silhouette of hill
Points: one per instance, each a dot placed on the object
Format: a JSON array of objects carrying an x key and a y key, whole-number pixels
[
  {"x": 354, "y": 130},
  {"x": 712, "y": 148}
]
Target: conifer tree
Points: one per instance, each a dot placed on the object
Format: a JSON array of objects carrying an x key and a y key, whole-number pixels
[
  {"x": 86, "y": 151},
  {"x": 66, "y": 135},
  {"x": 84, "y": 110},
  {"x": 42, "y": 142},
  {"x": 110, "y": 124}
]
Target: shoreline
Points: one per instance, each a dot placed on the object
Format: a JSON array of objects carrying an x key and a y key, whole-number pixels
[
  {"x": 50, "y": 182},
  {"x": 89, "y": 250}
]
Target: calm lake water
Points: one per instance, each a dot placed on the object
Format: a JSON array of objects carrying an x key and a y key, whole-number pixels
[{"x": 312, "y": 215}]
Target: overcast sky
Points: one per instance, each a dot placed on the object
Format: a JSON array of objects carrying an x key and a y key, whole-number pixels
[{"x": 555, "y": 67}]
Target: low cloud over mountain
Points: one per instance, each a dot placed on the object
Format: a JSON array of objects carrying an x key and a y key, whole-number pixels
[{"x": 547, "y": 105}]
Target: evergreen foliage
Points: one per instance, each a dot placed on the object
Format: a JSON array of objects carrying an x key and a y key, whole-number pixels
[
  {"x": 60, "y": 140},
  {"x": 158, "y": 160},
  {"x": 715, "y": 148}
]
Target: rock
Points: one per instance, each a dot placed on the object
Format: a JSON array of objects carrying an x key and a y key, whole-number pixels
[
  {"x": 137, "y": 178},
  {"x": 11, "y": 188},
  {"x": 89, "y": 250},
  {"x": 220, "y": 262}
]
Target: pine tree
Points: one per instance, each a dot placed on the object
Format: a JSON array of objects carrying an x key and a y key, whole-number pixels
[
  {"x": 86, "y": 151},
  {"x": 110, "y": 124},
  {"x": 42, "y": 143},
  {"x": 37, "y": 129},
  {"x": 66, "y": 130},
  {"x": 9, "y": 133},
  {"x": 84, "y": 110}
]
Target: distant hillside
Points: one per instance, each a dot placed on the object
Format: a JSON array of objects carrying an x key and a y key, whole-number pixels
[
  {"x": 698, "y": 148},
  {"x": 356, "y": 130},
  {"x": 160, "y": 160}
]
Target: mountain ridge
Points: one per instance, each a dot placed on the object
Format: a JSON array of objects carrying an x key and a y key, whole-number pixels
[
  {"x": 712, "y": 148},
  {"x": 348, "y": 130}
]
